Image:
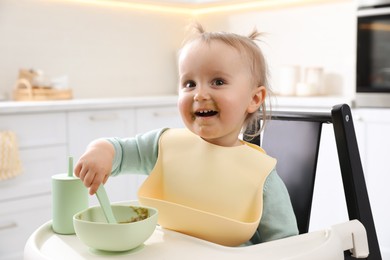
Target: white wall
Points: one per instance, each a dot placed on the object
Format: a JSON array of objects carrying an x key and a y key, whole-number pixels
[
  {"x": 106, "y": 51},
  {"x": 111, "y": 51},
  {"x": 321, "y": 35}
]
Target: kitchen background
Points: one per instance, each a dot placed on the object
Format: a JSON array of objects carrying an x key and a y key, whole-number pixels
[
  {"x": 114, "y": 48},
  {"x": 120, "y": 61}
]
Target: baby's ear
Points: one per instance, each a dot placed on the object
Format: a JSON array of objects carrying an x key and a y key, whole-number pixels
[{"x": 258, "y": 97}]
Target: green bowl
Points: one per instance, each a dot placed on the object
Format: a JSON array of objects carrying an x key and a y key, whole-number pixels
[{"x": 93, "y": 230}]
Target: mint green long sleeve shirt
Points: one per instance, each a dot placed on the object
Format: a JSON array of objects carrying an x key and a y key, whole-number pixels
[{"x": 139, "y": 154}]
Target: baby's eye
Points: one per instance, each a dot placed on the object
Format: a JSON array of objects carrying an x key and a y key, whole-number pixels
[
  {"x": 189, "y": 84},
  {"x": 218, "y": 82}
]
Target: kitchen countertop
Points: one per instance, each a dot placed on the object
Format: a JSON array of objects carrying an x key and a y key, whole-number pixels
[
  {"x": 9, "y": 107},
  {"x": 310, "y": 101}
]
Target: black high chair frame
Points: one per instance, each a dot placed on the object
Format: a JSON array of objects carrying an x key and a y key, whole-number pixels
[{"x": 294, "y": 139}]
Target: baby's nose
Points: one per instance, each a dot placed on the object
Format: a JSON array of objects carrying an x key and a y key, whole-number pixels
[{"x": 202, "y": 93}]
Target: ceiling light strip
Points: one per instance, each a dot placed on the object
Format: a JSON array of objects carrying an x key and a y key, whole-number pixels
[
  {"x": 200, "y": 9},
  {"x": 138, "y": 6}
]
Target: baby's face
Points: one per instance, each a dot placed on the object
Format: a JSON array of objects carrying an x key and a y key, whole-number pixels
[{"x": 216, "y": 91}]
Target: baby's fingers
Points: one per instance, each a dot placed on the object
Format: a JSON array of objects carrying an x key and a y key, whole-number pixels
[
  {"x": 97, "y": 181},
  {"x": 77, "y": 169},
  {"x": 82, "y": 171},
  {"x": 89, "y": 177}
]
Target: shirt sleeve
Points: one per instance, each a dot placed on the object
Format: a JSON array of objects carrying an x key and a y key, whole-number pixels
[
  {"x": 136, "y": 154},
  {"x": 278, "y": 218}
]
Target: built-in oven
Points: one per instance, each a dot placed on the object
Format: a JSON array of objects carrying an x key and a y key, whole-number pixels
[{"x": 373, "y": 54}]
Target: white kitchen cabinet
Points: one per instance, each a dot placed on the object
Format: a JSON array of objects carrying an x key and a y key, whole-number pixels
[
  {"x": 377, "y": 170},
  {"x": 157, "y": 117},
  {"x": 36, "y": 129},
  {"x": 25, "y": 199},
  {"x": 18, "y": 219},
  {"x": 42, "y": 150},
  {"x": 39, "y": 164}
]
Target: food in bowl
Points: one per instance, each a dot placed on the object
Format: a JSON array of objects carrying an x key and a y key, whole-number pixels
[
  {"x": 135, "y": 225},
  {"x": 142, "y": 213}
]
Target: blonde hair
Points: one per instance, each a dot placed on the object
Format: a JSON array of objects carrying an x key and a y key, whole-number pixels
[{"x": 246, "y": 46}]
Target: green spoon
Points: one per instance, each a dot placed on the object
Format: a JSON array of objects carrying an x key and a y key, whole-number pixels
[{"x": 105, "y": 204}]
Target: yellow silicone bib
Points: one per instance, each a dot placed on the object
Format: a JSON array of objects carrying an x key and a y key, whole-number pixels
[{"x": 207, "y": 191}]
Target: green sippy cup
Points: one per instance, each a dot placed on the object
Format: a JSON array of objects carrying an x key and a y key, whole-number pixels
[{"x": 69, "y": 196}]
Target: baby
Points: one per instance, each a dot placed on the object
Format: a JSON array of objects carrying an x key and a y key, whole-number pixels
[{"x": 222, "y": 89}]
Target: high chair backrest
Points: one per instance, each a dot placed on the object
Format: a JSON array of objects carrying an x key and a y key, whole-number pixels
[{"x": 293, "y": 138}]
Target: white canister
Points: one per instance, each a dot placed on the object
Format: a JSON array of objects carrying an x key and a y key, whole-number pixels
[
  {"x": 288, "y": 78},
  {"x": 314, "y": 79}
]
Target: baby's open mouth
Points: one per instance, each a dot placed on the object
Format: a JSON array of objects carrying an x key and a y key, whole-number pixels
[{"x": 205, "y": 113}]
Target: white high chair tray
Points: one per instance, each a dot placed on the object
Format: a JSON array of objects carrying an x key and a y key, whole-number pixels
[
  {"x": 163, "y": 244},
  {"x": 167, "y": 244}
]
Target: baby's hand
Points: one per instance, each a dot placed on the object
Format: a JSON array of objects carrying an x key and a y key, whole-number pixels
[{"x": 94, "y": 166}]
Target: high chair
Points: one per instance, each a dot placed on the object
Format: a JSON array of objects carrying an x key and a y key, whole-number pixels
[{"x": 294, "y": 139}]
